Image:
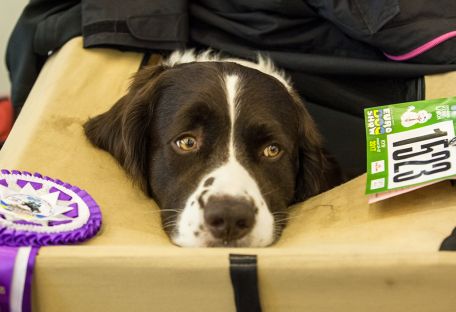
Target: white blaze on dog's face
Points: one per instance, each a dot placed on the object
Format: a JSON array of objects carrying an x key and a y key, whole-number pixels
[
  {"x": 223, "y": 146},
  {"x": 229, "y": 180}
]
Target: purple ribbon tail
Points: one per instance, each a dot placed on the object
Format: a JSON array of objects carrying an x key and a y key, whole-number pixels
[
  {"x": 7, "y": 260},
  {"x": 27, "y": 298},
  {"x": 16, "y": 270}
]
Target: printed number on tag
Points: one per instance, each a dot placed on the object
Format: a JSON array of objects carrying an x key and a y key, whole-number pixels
[{"x": 421, "y": 155}]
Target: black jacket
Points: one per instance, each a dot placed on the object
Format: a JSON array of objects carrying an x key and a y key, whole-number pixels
[{"x": 333, "y": 50}]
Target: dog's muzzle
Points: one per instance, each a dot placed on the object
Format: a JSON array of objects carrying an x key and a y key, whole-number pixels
[{"x": 229, "y": 218}]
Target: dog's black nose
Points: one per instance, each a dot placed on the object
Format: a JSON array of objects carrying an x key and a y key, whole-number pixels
[{"x": 229, "y": 218}]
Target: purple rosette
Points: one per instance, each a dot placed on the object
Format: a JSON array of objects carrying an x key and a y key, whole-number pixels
[{"x": 36, "y": 210}]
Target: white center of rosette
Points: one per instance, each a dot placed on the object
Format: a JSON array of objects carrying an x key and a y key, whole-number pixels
[
  {"x": 40, "y": 210},
  {"x": 28, "y": 207}
]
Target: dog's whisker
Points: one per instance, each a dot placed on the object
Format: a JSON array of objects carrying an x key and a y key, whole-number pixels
[
  {"x": 278, "y": 230},
  {"x": 297, "y": 215},
  {"x": 271, "y": 191},
  {"x": 287, "y": 219},
  {"x": 168, "y": 225},
  {"x": 289, "y": 216},
  {"x": 280, "y": 216},
  {"x": 166, "y": 221},
  {"x": 169, "y": 220},
  {"x": 171, "y": 210}
]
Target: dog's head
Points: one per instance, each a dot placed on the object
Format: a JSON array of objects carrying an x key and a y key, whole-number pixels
[{"x": 223, "y": 146}]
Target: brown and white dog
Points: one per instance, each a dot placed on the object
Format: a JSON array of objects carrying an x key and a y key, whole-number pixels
[{"x": 223, "y": 145}]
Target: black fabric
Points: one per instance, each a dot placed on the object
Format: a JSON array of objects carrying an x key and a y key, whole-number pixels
[
  {"x": 243, "y": 272},
  {"x": 360, "y": 29},
  {"x": 282, "y": 26},
  {"x": 333, "y": 50},
  {"x": 365, "y": 17},
  {"x": 381, "y": 23},
  {"x": 138, "y": 24},
  {"x": 44, "y": 26},
  {"x": 106, "y": 26},
  {"x": 449, "y": 243}
]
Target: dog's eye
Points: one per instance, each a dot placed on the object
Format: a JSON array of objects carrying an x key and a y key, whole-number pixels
[
  {"x": 187, "y": 144},
  {"x": 272, "y": 151}
]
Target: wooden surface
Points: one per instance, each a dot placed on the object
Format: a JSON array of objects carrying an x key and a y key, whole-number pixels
[{"x": 440, "y": 86}]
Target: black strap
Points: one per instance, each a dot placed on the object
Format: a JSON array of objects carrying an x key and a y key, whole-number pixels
[
  {"x": 449, "y": 243},
  {"x": 243, "y": 271},
  {"x": 145, "y": 59},
  {"x": 105, "y": 26}
]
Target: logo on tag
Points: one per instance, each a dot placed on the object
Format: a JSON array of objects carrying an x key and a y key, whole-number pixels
[
  {"x": 411, "y": 118},
  {"x": 378, "y": 166}
]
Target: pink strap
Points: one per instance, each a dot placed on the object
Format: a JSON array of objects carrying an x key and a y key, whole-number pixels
[{"x": 423, "y": 48}]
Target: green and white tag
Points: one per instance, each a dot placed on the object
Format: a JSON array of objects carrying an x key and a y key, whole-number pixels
[{"x": 410, "y": 145}]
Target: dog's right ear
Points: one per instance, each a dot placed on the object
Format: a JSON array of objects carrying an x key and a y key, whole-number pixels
[
  {"x": 317, "y": 170},
  {"x": 123, "y": 131}
]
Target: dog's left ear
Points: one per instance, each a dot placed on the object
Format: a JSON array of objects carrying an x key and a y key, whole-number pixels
[
  {"x": 318, "y": 171},
  {"x": 123, "y": 130}
]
